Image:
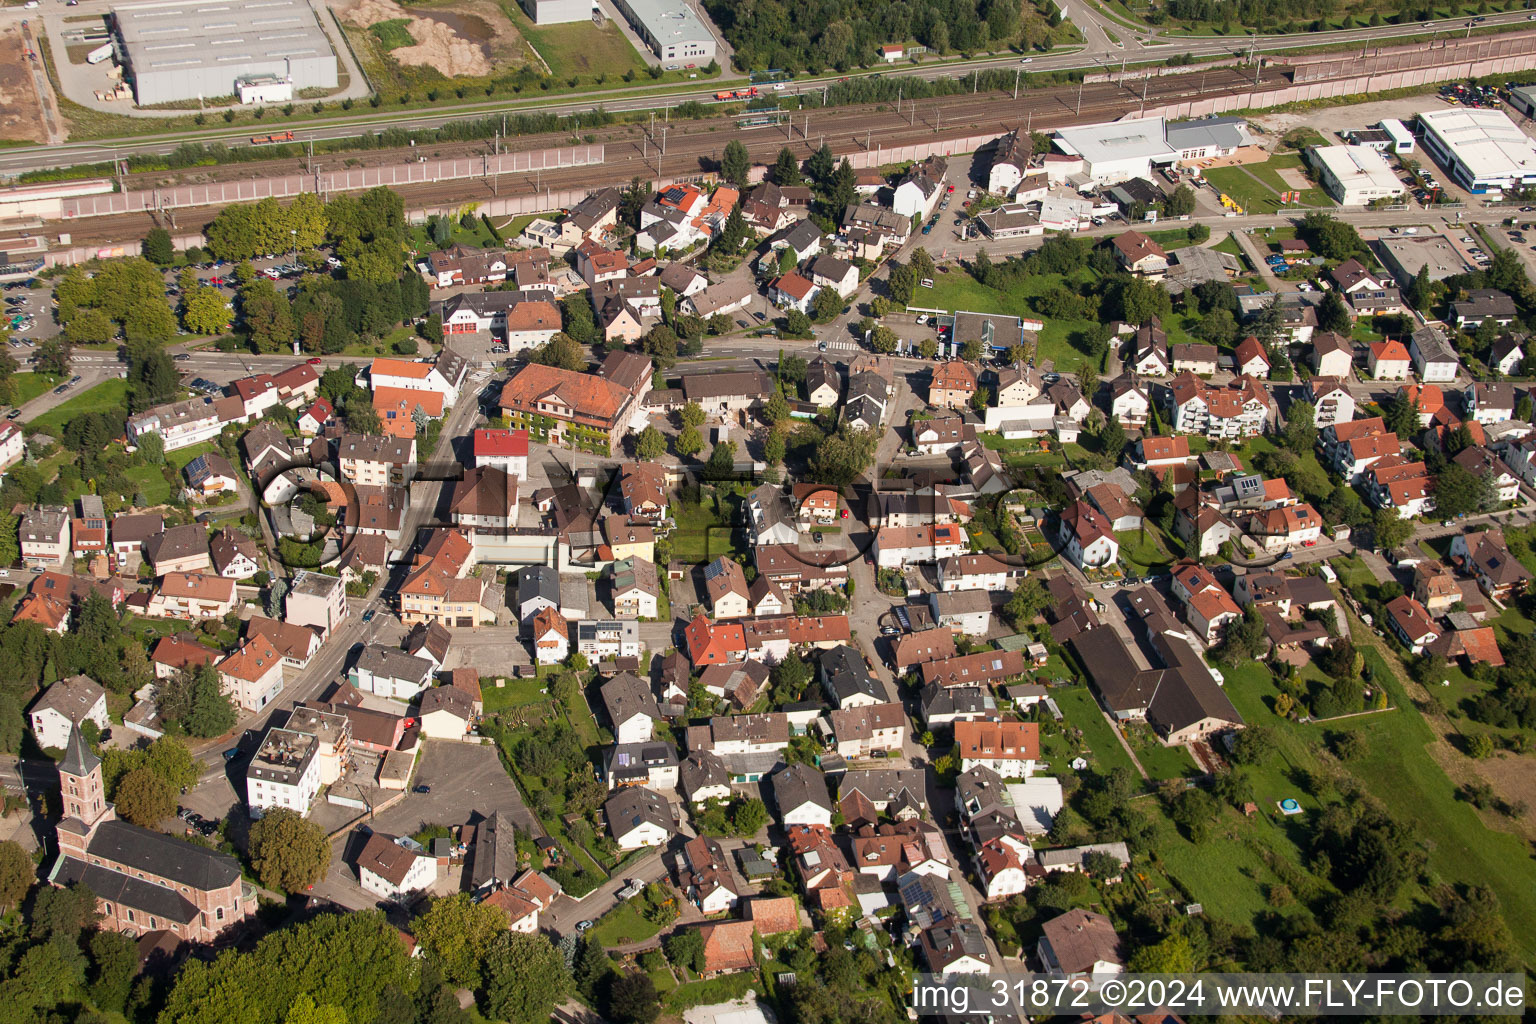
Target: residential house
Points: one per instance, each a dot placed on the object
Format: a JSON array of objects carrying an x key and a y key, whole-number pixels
[
  {"x": 1286, "y": 527},
  {"x": 942, "y": 433},
  {"x": 792, "y": 291},
  {"x": 1507, "y": 354},
  {"x": 393, "y": 867},
  {"x": 506, "y": 450},
  {"x": 376, "y": 460},
  {"x": 1486, "y": 555},
  {"x": 64, "y": 707},
  {"x": 1138, "y": 254},
  {"x": 1433, "y": 358},
  {"x": 859, "y": 732},
  {"x": 1332, "y": 402},
  {"x": 1239, "y": 409},
  {"x": 631, "y": 707},
  {"x": 837, "y": 274},
  {"x": 1489, "y": 401},
  {"x": 193, "y": 596},
  {"x": 1207, "y": 606},
  {"x": 1250, "y": 359},
  {"x": 233, "y": 555},
  {"x": 253, "y": 674},
  {"x": 1333, "y": 355},
  {"x": 1503, "y": 485},
  {"x": 1483, "y": 304},
  {"x": 1129, "y": 402},
  {"x": 899, "y": 546},
  {"x": 705, "y": 877},
  {"x": 800, "y": 794},
  {"x": 1148, "y": 350},
  {"x": 638, "y": 817},
  {"x": 44, "y": 536},
  {"x": 1087, "y": 536},
  {"x": 390, "y": 672},
  {"x": 920, "y": 188},
  {"x": 962, "y": 611},
  {"x": 1411, "y": 622},
  {"x": 636, "y": 588},
  {"x": 210, "y": 475},
  {"x": 1011, "y": 749},
  {"x": 551, "y": 636},
  {"x": 562, "y": 407},
  {"x": 1388, "y": 360},
  {"x": 1081, "y": 944}
]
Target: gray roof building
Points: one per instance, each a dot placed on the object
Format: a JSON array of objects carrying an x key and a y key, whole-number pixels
[{"x": 797, "y": 785}]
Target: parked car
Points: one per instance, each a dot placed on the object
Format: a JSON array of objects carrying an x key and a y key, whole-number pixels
[{"x": 422, "y": 789}]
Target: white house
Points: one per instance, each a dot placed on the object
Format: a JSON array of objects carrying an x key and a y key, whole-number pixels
[
  {"x": 65, "y": 705},
  {"x": 390, "y": 672},
  {"x": 391, "y": 867},
  {"x": 444, "y": 376},
  {"x": 1085, "y": 532},
  {"x": 800, "y": 792},
  {"x": 638, "y": 817},
  {"x": 285, "y": 772}
]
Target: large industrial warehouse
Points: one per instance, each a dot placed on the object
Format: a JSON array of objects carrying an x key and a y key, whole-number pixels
[
  {"x": 185, "y": 51},
  {"x": 670, "y": 29},
  {"x": 1483, "y": 150}
]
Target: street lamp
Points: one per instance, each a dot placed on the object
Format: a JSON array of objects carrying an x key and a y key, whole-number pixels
[{"x": 295, "y": 233}]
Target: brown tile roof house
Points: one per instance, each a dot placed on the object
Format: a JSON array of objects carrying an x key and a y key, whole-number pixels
[
  {"x": 386, "y": 858},
  {"x": 771, "y": 915},
  {"x": 985, "y": 668},
  {"x": 1133, "y": 247},
  {"x": 252, "y": 660},
  {"x": 728, "y": 946},
  {"x": 295, "y": 643},
  {"x": 922, "y": 647},
  {"x": 176, "y": 653},
  {"x": 579, "y": 398},
  {"x": 228, "y": 545},
  {"x": 177, "y": 543},
  {"x": 1079, "y": 939},
  {"x": 954, "y": 375}
]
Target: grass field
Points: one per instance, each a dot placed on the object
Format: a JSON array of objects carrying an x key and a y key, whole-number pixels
[
  {"x": 621, "y": 926},
  {"x": 958, "y": 290},
  {"x": 104, "y": 397},
  {"x": 30, "y": 385},
  {"x": 1399, "y": 770},
  {"x": 1257, "y": 186},
  {"x": 1143, "y": 550},
  {"x": 580, "y": 48},
  {"x": 393, "y": 34},
  {"x": 701, "y": 535},
  {"x": 516, "y": 693},
  {"x": 1080, "y": 709}
]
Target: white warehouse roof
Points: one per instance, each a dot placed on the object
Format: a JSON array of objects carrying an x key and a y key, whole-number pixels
[
  {"x": 175, "y": 36},
  {"x": 1358, "y": 168},
  {"x": 1143, "y": 138},
  {"x": 1486, "y": 142}
]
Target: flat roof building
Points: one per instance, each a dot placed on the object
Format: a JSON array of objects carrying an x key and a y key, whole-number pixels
[
  {"x": 1117, "y": 150},
  {"x": 557, "y": 12},
  {"x": 1482, "y": 150},
  {"x": 670, "y": 28},
  {"x": 1405, "y": 254},
  {"x": 174, "y": 51},
  {"x": 1402, "y": 138},
  {"x": 1354, "y": 175}
]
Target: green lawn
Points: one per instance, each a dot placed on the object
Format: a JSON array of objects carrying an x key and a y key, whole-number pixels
[
  {"x": 1399, "y": 770},
  {"x": 701, "y": 535},
  {"x": 516, "y": 693},
  {"x": 1143, "y": 550},
  {"x": 393, "y": 34},
  {"x": 29, "y": 385},
  {"x": 104, "y": 397},
  {"x": 580, "y": 48},
  {"x": 621, "y": 926},
  {"x": 957, "y": 290},
  {"x": 1161, "y": 762},
  {"x": 1101, "y": 745},
  {"x": 1251, "y": 194}
]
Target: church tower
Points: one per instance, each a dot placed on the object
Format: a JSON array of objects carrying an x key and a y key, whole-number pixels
[{"x": 85, "y": 801}]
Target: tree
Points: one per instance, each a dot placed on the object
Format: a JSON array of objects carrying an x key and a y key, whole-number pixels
[
  {"x": 722, "y": 461},
  {"x": 114, "y": 964},
  {"x": 883, "y": 340},
  {"x": 1333, "y": 313},
  {"x": 1173, "y": 955},
  {"x": 688, "y": 443},
  {"x": 692, "y": 415},
  {"x": 660, "y": 343},
  {"x": 152, "y": 448},
  {"x": 796, "y": 324},
  {"x": 593, "y": 968},
  {"x": 843, "y": 188},
  {"x": 144, "y": 798},
  {"x": 841, "y": 456},
  {"x": 1112, "y": 439},
  {"x": 826, "y": 306},
  {"x": 1300, "y": 428},
  {"x": 1330, "y": 238},
  {"x": 1460, "y": 492},
  {"x": 921, "y": 263},
  {"x": 685, "y": 948},
  {"x": 1390, "y": 529},
  {"x": 212, "y": 713},
  {"x": 288, "y": 852},
  {"x": 632, "y": 999},
  {"x": 204, "y": 311},
  {"x": 776, "y": 409},
  {"x": 1400, "y": 415},
  {"x": 773, "y": 448},
  {"x": 786, "y": 169},
  {"x": 1421, "y": 290},
  {"x": 1243, "y": 640},
  {"x": 901, "y": 284},
  {"x": 561, "y": 350},
  {"x": 1218, "y": 327},
  {"x": 735, "y": 164},
  {"x": 1029, "y": 599},
  {"x": 157, "y": 247},
  {"x": 650, "y": 445},
  {"x": 152, "y": 377},
  {"x": 361, "y": 417},
  {"x": 821, "y": 165},
  {"x": 17, "y": 873},
  {"x": 749, "y": 817},
  {"x": 1254, "y": 745},
  {"x": 88, "y": 327},
  {"x": 526, "y": 978},
  {"x": 1181, "y": 203}
]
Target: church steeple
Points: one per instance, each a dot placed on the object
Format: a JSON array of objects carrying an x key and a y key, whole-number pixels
[{"x": 80, "y": 780}]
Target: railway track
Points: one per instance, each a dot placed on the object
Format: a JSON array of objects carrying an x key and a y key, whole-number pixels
[{"x": 693, "y": 147}]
